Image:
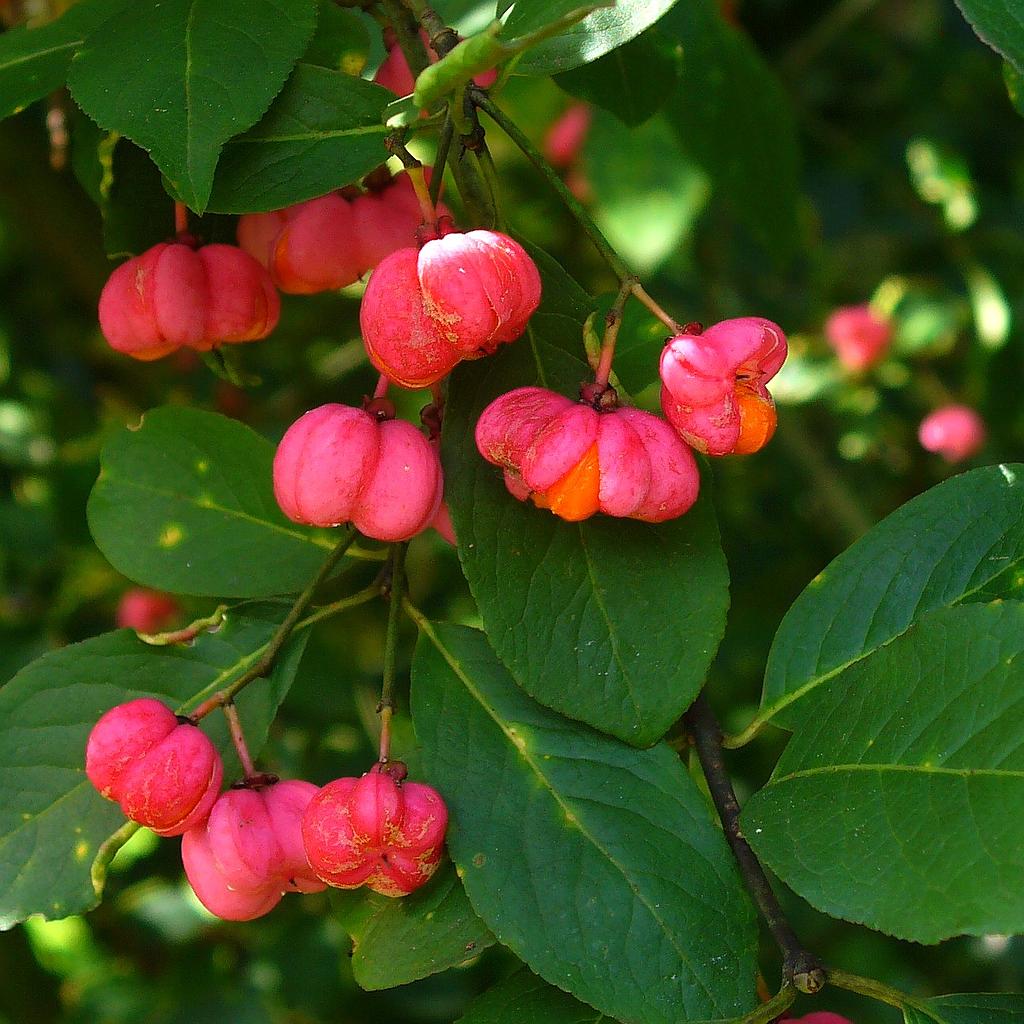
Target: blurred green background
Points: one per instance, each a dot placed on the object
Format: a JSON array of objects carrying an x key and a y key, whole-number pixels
[{"x": 912, "y": 197}]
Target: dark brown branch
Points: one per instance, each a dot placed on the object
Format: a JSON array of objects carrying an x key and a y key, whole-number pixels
[{"x": 802, "y": 968}]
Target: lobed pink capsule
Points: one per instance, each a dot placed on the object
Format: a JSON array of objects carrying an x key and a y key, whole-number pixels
[
  {"x": 176, "y": 295},
  {"x": 714, "y": 385},
  {"x": 165, "y": 774},
  {"x": 956, "y": 432},
  {"x": 574, "y": 460},
  {"x": 146, "y": 611},
  {"x": 859, "y": 336},
  {"x": 249, "y": 852},
  {"x": 339, "y": 464},
  {"x": 331, "y": 242},
  {"x": 564, "y": 140},
  {"x": 376, "y": 832},
  {"x": 458, "y": 297}
]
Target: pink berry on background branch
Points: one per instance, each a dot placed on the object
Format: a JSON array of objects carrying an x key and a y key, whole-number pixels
[{"x": 956, "y": 432}]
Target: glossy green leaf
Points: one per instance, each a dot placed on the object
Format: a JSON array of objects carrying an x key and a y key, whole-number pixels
[
  {"x": 632, "y": 82},
  {"x": 969, "y": 1009},
  {"x": 610, "y": 621},
  {"x": 961, "y": 541},
  {"x": 52, "y": 821},
  {"x": 399, "y": 941},
  {"x": 324, "y": 131},
  {"x": 524, "y": 999},
  {"x": 342, "y": 39},
  {"x": 596, "y": 863},
  {"x": 1014, "y": 80},
  {"x": 597, "y": 34},
  {"x": 181, "y": 77},
  {"x": 735, "y": 120},
  {"x": 1000, "y": 24},
  {"x": 892, "y": 804},
  {"x": 648, "y": 192},
  {"x": 185, "y": 499},
  {"x": 34, "y": 61}
]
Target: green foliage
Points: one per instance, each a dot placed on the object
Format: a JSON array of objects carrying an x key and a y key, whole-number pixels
[
  {"x": 397, "y": 941},
  {"x": 34, "y": 61},
  {"x": 341, "y": 41},
  {"x": 969, "y": 1009},
  {"x": 559, "y": 599},
  {"x": 524, "y": 999},
  {"x": 324, "y": 131},
  {"x": 1000, "y": 24},
  {"x": 960, "y": 541},
  {"x": 734, "y": 119},
  {"x": 53, "y": 822},
  {"x": 596, "y": 863},
  {"x": 181, "y": 77},
  {"x": 903, "y": 747},
  {"x": 599, "y": 33},
  {"x": 633, "y": 81},
  {"x": 185, "y": 499}
]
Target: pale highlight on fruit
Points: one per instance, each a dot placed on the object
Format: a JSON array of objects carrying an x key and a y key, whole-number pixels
[
  {"x": 249, "y": 852},
  {"x": 164, "y": 774},
  {"x": 714, "y": 385},
  {"x": 339, "y": 464},
  {"x": 176, "y": 295},
  {"x": 956, "y": 432},
  {"x": 375, "y": 832},
  {"x": 459, "y": 297},
  {"x": 860, "y": 337},
  {"x": 571, "y": 459}
]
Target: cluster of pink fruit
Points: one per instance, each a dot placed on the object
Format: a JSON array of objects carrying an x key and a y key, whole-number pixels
[
  {"x": 861, "y": 338},
  {"x": 245, "y": 847}
]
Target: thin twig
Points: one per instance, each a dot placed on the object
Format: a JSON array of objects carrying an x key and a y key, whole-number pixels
[
  {"x": 612, "y": 321},
  {"x": 801, "y": 967},
  {"x": 273, "y": 647},
  {"x": 386, "y": 706},
  {"x": 444, "y": 144},
  {"x": 238, "y": 740}
]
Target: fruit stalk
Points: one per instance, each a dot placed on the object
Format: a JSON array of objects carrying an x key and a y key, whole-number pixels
[{"x": 386, "y": 705}]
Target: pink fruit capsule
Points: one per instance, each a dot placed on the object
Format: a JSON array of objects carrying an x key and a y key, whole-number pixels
[
  {"x": 714, "y": 385},
  {"x": 249, "y": 852},
  {"x": 859, "y": 336},
  {"x": 164, "y": 774},
  {"x": 458, "y": 298},
  {"x": 310, "y": 247},
  {"x": 339, "y": 464},
  {"x": 820, "y": 1017},
  {"x": 575, "y": 461},
  {"x": 176, "y": 295},
  {"x": 146, "y": 611},
  {"x": 956, "y": 432},
  {"x": 565, "y": 138},
  {"x": 373, "y": 831}
]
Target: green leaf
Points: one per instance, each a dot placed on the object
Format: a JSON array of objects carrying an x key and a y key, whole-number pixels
[
  {"x": 596, "y": 863},
  {"x": 999, "y": 24},
  {"x": 649, "y": 194},
  {"x": 610, "y": 621},
  {"x": 524, "y": 999},
  {"x": 891, "y": 805},
  {"x": 324, "y": 131},
  {"x": 734, "y": 118},
  {"x": 181, "y": 77},
  {"x": 597, "y": 34},
  {"x": 961, "y": 541},
  {"x": 970, "y": 1009},
  {"x": 52, "y": 821},
  {"x": 341, "y": 41},
  {"x": 633, "y": 81},
  {"x": 1014, "y": 80},
  {"x": 399, "y": 941},
  {"x": 34, "y": 61},
  {"x": 184, "y": 502}
]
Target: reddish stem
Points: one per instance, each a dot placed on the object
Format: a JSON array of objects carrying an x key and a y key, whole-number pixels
[
  {"x": 180, "y": 219},
  {"x": 238, "y": 739},
  {"x": 381, "y": 390}
]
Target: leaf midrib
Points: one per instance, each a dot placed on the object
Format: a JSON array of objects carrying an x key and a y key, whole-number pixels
[
  {"x": 427, "y": 627},
  {"x": 906, "y": 769}
]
